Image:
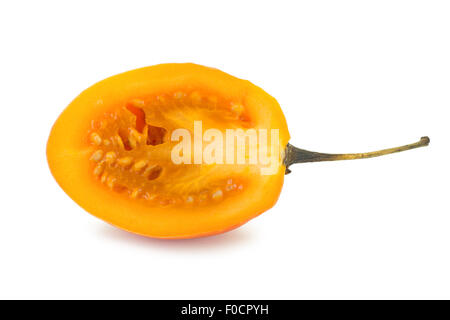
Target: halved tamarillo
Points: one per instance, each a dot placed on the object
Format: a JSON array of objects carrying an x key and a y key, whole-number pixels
[{"x": 176, "y": 151}]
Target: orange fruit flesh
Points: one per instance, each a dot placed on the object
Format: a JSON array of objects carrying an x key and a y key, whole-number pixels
[{"x": 130, "y": 150}]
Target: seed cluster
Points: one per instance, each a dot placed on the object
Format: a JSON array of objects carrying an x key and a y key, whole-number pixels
[{"x": 118, "y": 162}]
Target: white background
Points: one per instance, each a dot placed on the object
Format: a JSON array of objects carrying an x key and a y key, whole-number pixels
[{"x": 350, "y": 76}]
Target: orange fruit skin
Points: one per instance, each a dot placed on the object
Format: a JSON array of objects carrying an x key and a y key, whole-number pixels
[{"x": 69, "y": 151}]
